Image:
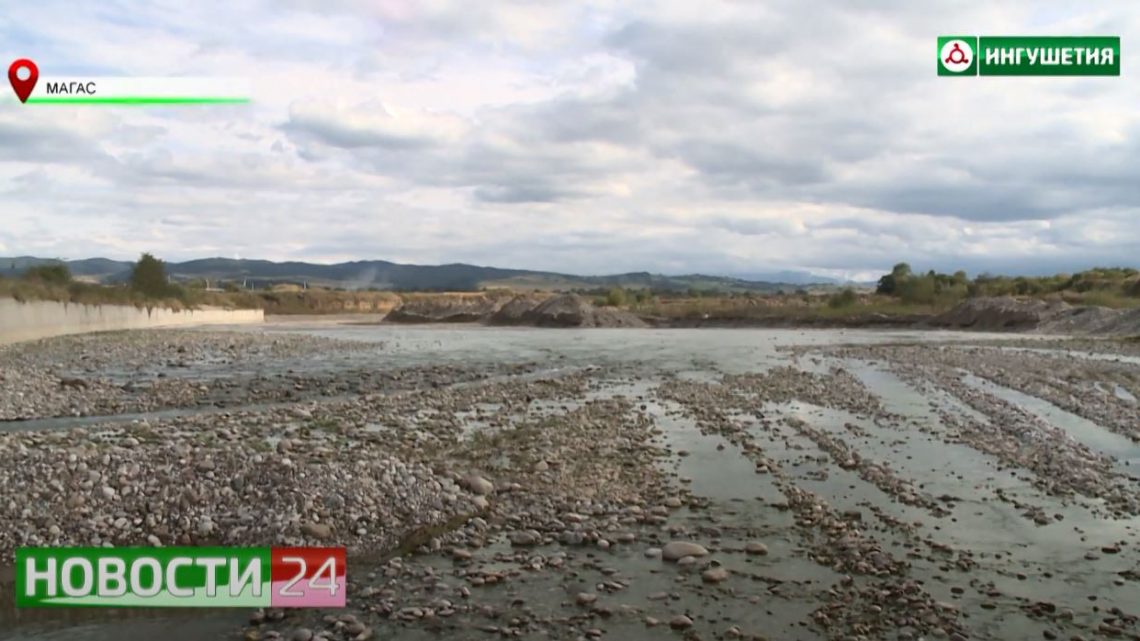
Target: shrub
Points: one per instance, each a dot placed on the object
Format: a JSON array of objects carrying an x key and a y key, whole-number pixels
[
  {"x": 845, "y": 298},
  {"x": 917, "y": 290},
  {"x": 1134, "y": 288},
  {"x": 615, "y": 297}
]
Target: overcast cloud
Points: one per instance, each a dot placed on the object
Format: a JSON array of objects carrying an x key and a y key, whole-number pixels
[{"x": 590, "y": 137}]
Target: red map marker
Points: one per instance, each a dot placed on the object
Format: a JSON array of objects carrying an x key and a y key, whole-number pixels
[{"x": 23, "y": 88}]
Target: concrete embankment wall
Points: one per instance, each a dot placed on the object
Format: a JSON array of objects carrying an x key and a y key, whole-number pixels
[{"x": 42, "y": 319}]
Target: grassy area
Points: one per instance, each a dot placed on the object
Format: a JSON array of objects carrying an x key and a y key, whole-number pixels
[
  {"x": 316, "y": 301},
  {"x": 1101, "y": 299},
  {"x": 300, "y": 302},
  {"x": 84, "y": 294},
  {"x": 782, "y": 307},
  {"x": 899, "y": 294}
]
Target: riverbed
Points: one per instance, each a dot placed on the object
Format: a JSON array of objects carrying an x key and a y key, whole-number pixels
[{"x": 602, "y": 483}]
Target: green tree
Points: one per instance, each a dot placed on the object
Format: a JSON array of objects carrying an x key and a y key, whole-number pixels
[
  {"x": 889, "y": 284},
  {"x": 149, "y": 277},
  {"x": 55, "y": 274}
]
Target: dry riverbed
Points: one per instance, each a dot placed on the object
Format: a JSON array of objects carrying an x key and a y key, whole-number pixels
[{"x": 624, "y": 484}]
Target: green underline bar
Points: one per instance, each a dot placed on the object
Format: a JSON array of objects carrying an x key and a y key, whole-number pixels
[{"x": 134, "y": 100}]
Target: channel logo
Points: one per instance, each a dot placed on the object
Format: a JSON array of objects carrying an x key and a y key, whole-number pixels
[
  {"x": 182, "y": 577},
  {"x": 1028, "y": 56}
]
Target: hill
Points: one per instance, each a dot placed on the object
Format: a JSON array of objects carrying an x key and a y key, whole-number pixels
[{"x": 385, "y": 275}]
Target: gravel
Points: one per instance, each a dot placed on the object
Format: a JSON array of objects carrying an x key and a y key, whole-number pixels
[{"x": 491, "y": 500}]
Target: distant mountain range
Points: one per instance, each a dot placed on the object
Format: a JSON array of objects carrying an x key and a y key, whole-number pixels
[{"x": 380, "y": 274}]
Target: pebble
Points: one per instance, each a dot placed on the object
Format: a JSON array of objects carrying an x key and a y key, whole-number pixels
[
  {"x": 756, "y": 547},
  {"x": 320, "y": 531},
  {"x": 526, "y": 538},
  {"x": 676, "y": 550},
  {"x": 680, "y": 622},
  {"x": 715, "y": 574},
  {"x": 479, "y": 485}
]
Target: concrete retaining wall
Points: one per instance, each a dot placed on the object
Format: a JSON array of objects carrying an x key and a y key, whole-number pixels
[{"x": 41, "y": 319}]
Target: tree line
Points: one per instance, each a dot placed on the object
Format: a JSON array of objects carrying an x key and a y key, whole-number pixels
[
  {"x": 932, "y": 287},
  {"x": 148, "y": 279}
]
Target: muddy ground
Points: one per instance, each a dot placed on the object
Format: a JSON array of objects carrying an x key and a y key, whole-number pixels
[{"x": 624, "y": 484}]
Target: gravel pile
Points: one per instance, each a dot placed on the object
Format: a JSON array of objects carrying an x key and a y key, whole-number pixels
[
  {"x": 122, "y": 372},
  {"x": 1033, "y": 314},
  {"x": 153, "y": 485}
]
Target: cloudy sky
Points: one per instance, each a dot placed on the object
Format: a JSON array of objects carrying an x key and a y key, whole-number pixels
[{"x": 675, "y": 136}]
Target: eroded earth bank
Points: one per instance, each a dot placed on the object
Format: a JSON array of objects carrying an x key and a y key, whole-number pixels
[{"x": 621, "y": 484}]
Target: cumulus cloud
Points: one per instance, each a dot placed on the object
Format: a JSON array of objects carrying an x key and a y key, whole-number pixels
[{"x": 576, "y": 136}]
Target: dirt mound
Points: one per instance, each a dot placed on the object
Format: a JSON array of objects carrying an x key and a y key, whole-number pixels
[
  {"x": 996, "y": 314},
  {"x": 536, "y": 310},
  {"x": 566, "y": 310},
  {"x": 1094, "y": 320},
  {"x": 1047, "y": 317},
  {"x": 513, "y": 312},
  {"x": 444, "y": 309},
  {"x": 608, "y": 317}
]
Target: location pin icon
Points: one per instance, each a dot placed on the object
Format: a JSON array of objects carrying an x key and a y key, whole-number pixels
[{"x": 24, "y": 87}]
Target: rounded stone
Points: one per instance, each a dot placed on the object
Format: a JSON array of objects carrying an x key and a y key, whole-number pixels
[
  {"x": 756, "y": 547},
  {"x": 479, "y": 485},
  {"x": 676, "y": 550},
  {"x": 715, "y": 574},
  {"x": 680, "y": 622}
]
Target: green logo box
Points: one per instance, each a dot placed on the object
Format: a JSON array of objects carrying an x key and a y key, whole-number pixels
[{"x": 1029, "y": 56}]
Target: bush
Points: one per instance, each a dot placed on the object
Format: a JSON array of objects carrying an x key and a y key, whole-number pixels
[
  {"x": 845, "y": 298},
  {"x": 1133, "y": 288},
  {"x": 615, "y": 297},
  {"x": 917, "y": 290}
]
